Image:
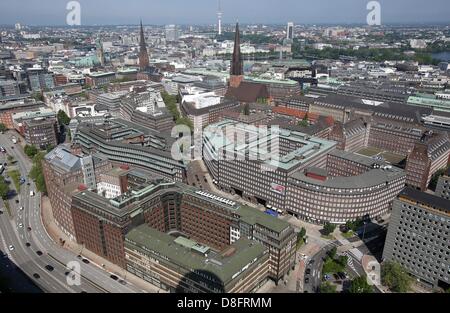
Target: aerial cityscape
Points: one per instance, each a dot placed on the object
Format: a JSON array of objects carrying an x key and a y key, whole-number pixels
[{"x": 257, "y": 147}]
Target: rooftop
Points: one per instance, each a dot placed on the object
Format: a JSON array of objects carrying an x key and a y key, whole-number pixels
[{"x": 179, "y": 251}]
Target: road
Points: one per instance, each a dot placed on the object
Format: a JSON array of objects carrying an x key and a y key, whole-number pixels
[{"x": 93, "y": 278}]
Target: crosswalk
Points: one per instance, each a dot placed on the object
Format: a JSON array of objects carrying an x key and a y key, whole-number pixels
[{"x": 350, "y": 261}]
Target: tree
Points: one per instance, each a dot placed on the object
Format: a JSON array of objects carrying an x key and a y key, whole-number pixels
[
  {"x": 63, "y": 119},
  {"x": 3, "y": 127},
  {"x": 395, "y": 277},
  {"x": 302, "y": 232},
  {"x": 327, "y": 287},
  {"x": 328, "y": 228},
  {"x": 37, "y": 174},
  {"x": 4, "y": 188},
  {"x": 332, "y": 252},
  {"x": 360, "y": 285},
  {"x": 434, "y": 180},
  {"x": 30, "y": 151}
]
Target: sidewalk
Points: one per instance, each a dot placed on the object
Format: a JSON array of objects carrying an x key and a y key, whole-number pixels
[{"x": 55, "y": 233}]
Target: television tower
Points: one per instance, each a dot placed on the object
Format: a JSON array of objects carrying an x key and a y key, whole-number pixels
[{"x": 219, "y": 16}]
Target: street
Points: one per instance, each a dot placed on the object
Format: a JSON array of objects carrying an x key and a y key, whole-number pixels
[{"x": 93, "y": 278}]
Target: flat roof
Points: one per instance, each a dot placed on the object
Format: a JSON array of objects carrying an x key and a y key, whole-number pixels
[
  {"x": 308, "y": 147},
  {"x": 253, "y": 216},
  {"x": 426, "y": 199},
  {"x": 226, "y": 267}
]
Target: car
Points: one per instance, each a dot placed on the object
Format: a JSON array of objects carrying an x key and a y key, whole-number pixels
[
  {"x": 86, "y": 261},
  {"x": 308, "y": 271},
  {"x": 311, "y": 262},
  {"x": 12, "y": 147},
  {"x": 306, "y": 280},
  {"x": 31, "y": 193},
  {"x": 29, "y": 228},
  {"x": 28, "y": 184},
  {"x": 36, "y": 275},
  {"x": 114, "y": 277},
  {"x": 66, "y": 273},
  {"x": 28, "y": 244},
  {"x": 1, "y": 212},
  {"x": 49, "y": 268},
  {"x": 20, "y": 225},
  {"x": 39, "y": 253},
  {"x": 79, "y": 256},
  {"x": 11, "y": 247},
  {"x": 17, "y": 200},
  {"x": 21, "y": 208},
  {"x": 122, "y": 282}
]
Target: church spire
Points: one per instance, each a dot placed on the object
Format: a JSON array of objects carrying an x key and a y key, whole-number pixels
[
  {"x": 143, "y": 54},
  {"x": 237, "y": 67}
]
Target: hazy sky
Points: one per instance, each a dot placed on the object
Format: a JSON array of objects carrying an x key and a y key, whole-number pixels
[{"x": 53, "y": 12}]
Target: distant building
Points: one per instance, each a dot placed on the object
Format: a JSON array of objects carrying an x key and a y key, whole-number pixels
[
  {"x": 39, "y": 80},
  {"x": 290, "y": 31},
  {"x": 172, "y": 33},
  {"x": 418, "y": 237},
  {"x": 144, "y": 62},
  {"x": 100, "y": 79}
]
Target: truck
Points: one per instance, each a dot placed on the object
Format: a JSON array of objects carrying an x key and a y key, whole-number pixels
[{"x": 14, "y": 140}]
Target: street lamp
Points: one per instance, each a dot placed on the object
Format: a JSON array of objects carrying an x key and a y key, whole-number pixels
[{"x": 364, "y": 231}]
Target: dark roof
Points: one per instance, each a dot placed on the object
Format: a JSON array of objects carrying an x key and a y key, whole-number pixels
[
  {"x": 426, "y": 198},
  {"x": 189, "y": 108},
  {"x": 247, "y": 92}
]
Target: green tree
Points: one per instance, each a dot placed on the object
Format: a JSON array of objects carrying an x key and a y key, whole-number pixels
[
  {"x": 395, "y": 277},
  {"x": 434, "y": 180},
  {"x": 30, "y": 151},
  {"x": 4, "y": 188},
  {"x": 3, "y": 127},
  {"x": 37, "y": 173},
  {"x": 360, "y": 285},
  {"x": 63, "y": 119},
  {"x": 328, "y": 228},
  {"x": 327, "y": 287},
  {"x": 332, "y": 252}
]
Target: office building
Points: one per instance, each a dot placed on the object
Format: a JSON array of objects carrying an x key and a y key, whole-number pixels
[
  {"x": 42, "y": 132},
  {"x": 256, "y": 162},
  {"x": 67, "y": 172},
  {"x": 350, "y": 187},
  {"x": 428, "y": 156},
  {"x": 125, "y": 142},
  {"x": 443, "y": 185},
  {"x": 196, "y": 220},
  {"x": 290, "y": 31},
  {"x": 418, "y": 237},
  {"x": 171, "y": 33}
]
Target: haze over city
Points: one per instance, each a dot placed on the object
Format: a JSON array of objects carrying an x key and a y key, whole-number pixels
[{"x": 115, "y": 12}]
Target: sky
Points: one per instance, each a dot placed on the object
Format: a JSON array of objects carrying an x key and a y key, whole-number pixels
[{"x": 160, "y": 12}]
